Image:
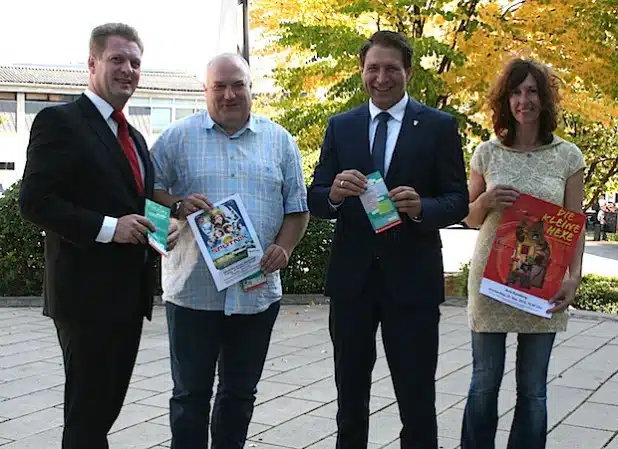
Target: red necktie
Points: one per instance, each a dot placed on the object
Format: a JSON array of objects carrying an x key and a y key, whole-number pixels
[{"x": 129, "y": 148}]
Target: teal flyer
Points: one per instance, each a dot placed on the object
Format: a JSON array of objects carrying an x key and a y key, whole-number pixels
[
  {"x": 159, "y": 215},
  {"x": 380, "y": 208}
]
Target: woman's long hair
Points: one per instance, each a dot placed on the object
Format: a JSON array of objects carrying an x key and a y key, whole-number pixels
[{"x": 511, "y": 77}]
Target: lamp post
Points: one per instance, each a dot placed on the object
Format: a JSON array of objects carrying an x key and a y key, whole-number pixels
[{"x": 245, "y": 29}]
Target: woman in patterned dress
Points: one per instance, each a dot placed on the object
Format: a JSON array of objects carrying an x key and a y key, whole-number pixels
[{"x": 525, "y": 157}]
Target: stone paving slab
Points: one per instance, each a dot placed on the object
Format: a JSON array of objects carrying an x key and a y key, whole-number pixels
[{"x": 296, "y": 400}]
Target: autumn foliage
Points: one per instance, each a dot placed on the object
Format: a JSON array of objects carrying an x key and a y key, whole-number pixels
[{"x": 460, "y": 46}]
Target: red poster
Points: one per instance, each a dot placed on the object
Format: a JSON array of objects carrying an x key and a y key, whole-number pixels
[{"x": 534, "y": 245}]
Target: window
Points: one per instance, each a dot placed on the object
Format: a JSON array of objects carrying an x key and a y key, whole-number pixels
[
  {"x": 62, "y": 98},
  {"x": 56, "y": 98},
  {"x": 160, "y": 102},
  {"x": 33, "y": 108},
  {"x": 139, "y": 101},
  {"x": 182, "y": 113},
  {"x": 184, "y": 103},
  {"x": 140, "y": 117},
  {"x": 8, "y": 116},
  {"x": 7, "y": 165},
  {"x": 139, "y": 110},
  {"x": 161, "y": 118},
  {"x": 36, "y": 97}
]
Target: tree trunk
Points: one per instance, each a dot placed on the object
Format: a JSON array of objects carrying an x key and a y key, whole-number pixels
[
  {"x": 610, "y": 173},
  {"x": 446, "y": 60},
  {"x": 591, "y": 170}
]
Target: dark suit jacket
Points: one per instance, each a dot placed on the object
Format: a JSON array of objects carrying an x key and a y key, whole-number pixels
[
  {"x": 76, "y": 174},
  {"x": 427, "y": 157}
]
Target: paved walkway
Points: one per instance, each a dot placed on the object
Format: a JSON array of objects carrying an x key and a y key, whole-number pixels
[{"x": 295, "y": 406}]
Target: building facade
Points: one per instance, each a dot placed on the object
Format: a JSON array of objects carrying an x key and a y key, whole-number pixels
[{"x": 160, "y": 99}]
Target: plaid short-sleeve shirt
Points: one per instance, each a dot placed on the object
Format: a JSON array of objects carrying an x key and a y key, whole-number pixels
[{"x": 262, "y": 164}]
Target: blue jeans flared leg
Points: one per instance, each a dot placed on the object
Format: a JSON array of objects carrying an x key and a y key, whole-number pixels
[
  {"x": 480, "y": 421},
  {"x": 529, "y": 428},
  {"x": 481, "y": 413}
]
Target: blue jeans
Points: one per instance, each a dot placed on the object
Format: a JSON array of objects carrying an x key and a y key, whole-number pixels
[
  {"x": 198, "y": 340},
  {"x": 529, "y": 428}
]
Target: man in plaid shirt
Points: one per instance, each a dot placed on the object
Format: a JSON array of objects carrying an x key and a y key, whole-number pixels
[{"x": 200, "y": 160}]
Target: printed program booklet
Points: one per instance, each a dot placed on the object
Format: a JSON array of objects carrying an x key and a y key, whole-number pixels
[
  {"x": 229, "y": 244},
  {"x": 380, "y": 208},
  {"x": 159, "y": 215},
  {"x": 534, "y": 245}
]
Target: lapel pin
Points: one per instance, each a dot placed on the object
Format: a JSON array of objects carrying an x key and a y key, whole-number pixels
[{"x": 415, "y": 122}]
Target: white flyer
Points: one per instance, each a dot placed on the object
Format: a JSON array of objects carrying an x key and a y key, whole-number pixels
[{"x": 229, "y": 243}]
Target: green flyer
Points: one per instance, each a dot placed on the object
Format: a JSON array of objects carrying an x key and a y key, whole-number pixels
[
  {"x": 159, "y": 215},
  {"x": 379, "y": 207}
]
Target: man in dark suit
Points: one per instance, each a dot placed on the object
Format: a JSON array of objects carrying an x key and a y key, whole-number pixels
[
  {"x": 86, "y": 179},
  {"x": 393, "y": 278}
]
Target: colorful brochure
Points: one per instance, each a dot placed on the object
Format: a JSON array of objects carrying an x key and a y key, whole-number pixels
[{"x": 229, "y": 244}]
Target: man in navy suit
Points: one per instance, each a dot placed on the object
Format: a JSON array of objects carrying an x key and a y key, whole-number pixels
[{"x": 393, "y": 278}]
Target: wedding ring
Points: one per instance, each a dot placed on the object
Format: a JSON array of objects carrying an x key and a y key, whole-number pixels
[{"x": 342, "y": 183}]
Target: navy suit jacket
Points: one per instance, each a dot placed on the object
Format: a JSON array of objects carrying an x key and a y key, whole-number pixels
[{"x": 427, "y": 157}]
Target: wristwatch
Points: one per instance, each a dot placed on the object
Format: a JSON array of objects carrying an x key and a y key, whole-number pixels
[{"x": 175, "y": 208}]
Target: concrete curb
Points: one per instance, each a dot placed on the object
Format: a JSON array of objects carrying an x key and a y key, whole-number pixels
[
  {"x": 21, "y": 301},
  {"x": 37, "y": 301},
  {"x": 593, "y": 316},
  {"x": 309, "y": 300}
]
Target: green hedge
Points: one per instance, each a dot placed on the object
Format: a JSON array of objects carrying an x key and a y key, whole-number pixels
[
  {"x": 22, "y": 256},
  {"x": 598, "y": 294},
  {"x": 21, "y": 250},
  {"x": 307, "y": 267},
  {"x": 595, "y": 294},
  {"x": 22, "y": 262},
  {"x": 457, "y": 284}
]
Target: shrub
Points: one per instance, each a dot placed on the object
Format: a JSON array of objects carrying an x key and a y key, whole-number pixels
[
  {"x": 598, "y": 294},
  {"x": 307, "y": 267},
  {"x": 22, "y": 254},
  {"x": 461, "y": 283},
  {"x": 457, "y": 284},
  {"x": 22, "y": 263},
  {"x": 21, "y": 250}
]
